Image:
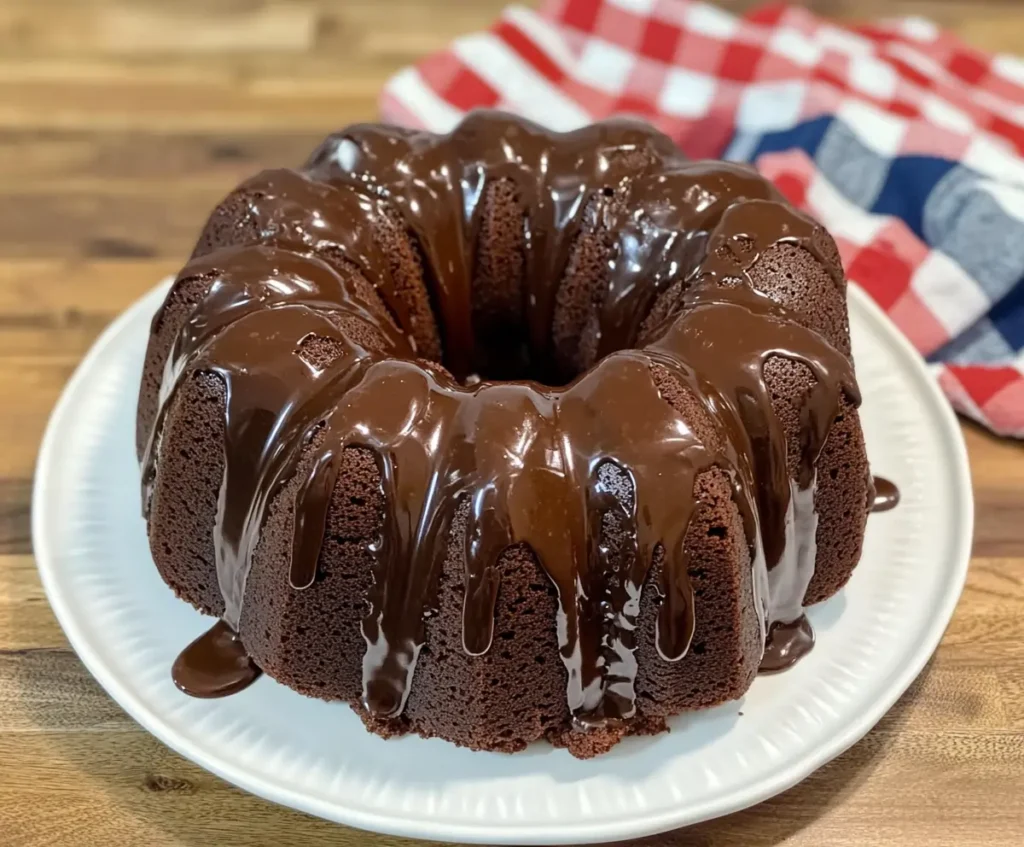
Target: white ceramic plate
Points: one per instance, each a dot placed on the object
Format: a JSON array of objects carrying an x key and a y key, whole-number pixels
[{"x": 873, "y": 639}]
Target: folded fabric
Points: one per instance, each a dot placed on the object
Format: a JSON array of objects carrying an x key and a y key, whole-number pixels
[{"x": 905, "y": 143}]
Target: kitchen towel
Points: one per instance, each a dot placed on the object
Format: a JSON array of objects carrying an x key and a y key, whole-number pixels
[{"x": 904, "y": 142}]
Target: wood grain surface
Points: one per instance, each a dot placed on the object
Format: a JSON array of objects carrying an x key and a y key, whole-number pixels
[{"x": 121, "y": 123}]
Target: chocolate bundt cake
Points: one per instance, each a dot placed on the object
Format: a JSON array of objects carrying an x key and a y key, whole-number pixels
[{"x": 561, "y": 426}]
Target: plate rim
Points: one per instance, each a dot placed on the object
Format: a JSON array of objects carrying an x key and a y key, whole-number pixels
[{"x": 397, "y": 824}]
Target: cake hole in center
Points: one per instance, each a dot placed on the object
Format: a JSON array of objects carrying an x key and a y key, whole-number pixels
[{"x": 502, "y": 354}]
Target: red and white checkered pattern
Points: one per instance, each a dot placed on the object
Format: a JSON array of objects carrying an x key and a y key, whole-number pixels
[{"x": 705, "y": 77}]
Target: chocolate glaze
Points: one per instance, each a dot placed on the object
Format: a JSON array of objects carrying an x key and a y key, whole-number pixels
[
  {"x": 215, "y": 664},
  {"x": 787, "y": 644},
  {"x": 884, "y": 495},
  {"x": 526, "y": 456}
]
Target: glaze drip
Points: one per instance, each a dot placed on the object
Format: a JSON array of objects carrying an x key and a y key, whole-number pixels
[
  {"x": 787, "y": 644},
  {"x": 884, "y": 495},
  {"x": 214, "y": 665},
  {"x": 536, "y": 464}
]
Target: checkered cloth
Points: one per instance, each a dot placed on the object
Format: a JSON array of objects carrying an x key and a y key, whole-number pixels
[{"x": 905, "y": 143}]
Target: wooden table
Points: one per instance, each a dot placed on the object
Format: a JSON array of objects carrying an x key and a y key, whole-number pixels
[{"x": 120, "y": 125}]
